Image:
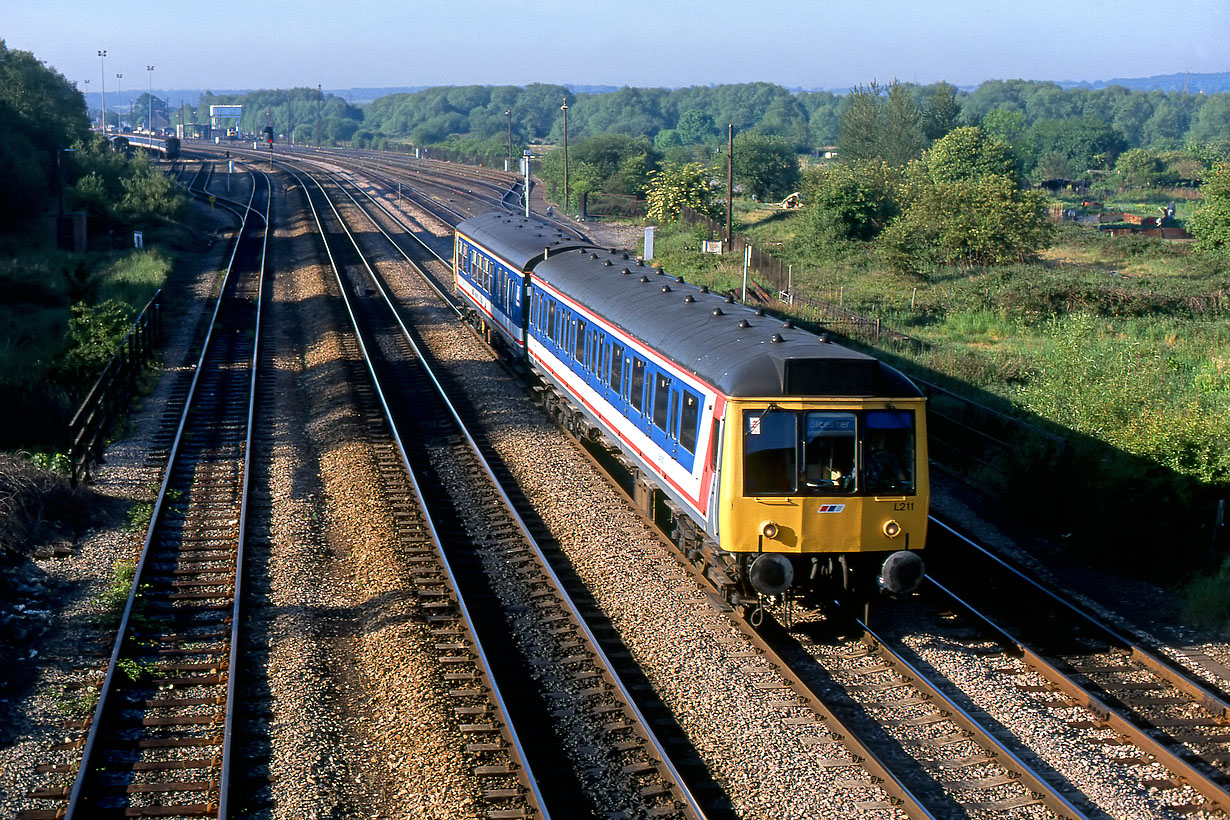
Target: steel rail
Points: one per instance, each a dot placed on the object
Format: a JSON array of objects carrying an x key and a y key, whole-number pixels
[
  {"x": 228, "y": 752},
  {"x": 907, "y": 801},
  {"x": 530, "y": 779},
  {"x": 78, "y": 789},
  {"x": 1015, "y": 766},
  {"x": 612, "y": 674},
  {"x": 1210, "y": 790},
  {"x": 1164, "y": 668}
]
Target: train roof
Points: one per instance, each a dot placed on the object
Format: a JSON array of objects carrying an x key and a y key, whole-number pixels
[
  {"x": 519, "y": 241},
  {"x": 739, "y": 350}
]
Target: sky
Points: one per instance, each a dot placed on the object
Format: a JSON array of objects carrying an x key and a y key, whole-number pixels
[{"x": 340, "y": 44}]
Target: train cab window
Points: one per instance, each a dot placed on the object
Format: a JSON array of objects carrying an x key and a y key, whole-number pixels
[
  {"x": 616, "y": 379},
  {"x": 770, "y": 452},
  {"x": 636, "y": 393},
  {"x": 828, "y": 452},
  {"x": 688, "y": 421},
  {"x": 888, "y": 452},
  {"x": 662, "y": 402}
]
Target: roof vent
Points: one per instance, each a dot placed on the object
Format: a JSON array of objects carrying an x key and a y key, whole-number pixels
[
  {"x": 593, "y": 256},
  {"x": 704, "y": 288},
  {"x": 789, "y": 323},
  {"x": 666, "y": 288},
  {"x": 744, "y": 323},
  {"x": 759, "y": 312},
  {"x": 824, "y": 338},
  {"x": 623, "y": 256},
  {"x": 644, "y": 278},
  {"x": 730, "y": 300},
  {"x": 689, "y": 299},
  {"x": 607, "y": 263},
  {"x": 718, "y": 312},
  {"x": 777, "y": 338},
  {"x": 679, "y": 279},
  {"x": 625, "y": 271}
]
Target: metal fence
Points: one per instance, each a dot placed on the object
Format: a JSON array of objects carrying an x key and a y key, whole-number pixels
[{"x": 112, "y": 391}]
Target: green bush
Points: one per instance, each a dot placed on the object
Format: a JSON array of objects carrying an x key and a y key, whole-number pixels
[{"x": 93, "y": 336}]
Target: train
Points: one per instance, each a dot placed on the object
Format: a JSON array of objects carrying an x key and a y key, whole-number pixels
[
  {"x": 170, "y": 145},
  {"x": 781, "y": 463}
]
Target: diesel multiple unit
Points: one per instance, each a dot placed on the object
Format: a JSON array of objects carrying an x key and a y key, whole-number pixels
[{"x": 781, "y": 460}]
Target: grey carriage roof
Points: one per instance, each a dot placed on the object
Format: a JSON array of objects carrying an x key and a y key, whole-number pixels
[
  {"x": 519, "y": 241},
  {"x": 740, "y": 351}
]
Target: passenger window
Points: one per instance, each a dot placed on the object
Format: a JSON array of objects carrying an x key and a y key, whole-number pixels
[
  {"x": 689, "y": 421},
  {"x": 637, "y": 396},
  {"x": 595, "y": 354},
  {"x": 616, "y": 380},
  {"x": 578, "y": 349},
  {"x": 770, "y": 457},
  {"x": 662, "y": 403}
]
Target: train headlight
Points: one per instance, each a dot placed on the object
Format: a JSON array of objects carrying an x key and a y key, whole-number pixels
[
  {"x": 892, "y": 529},
  {"x": 769, "y": 529}
]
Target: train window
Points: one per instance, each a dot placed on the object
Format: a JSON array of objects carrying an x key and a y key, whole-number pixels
[
  {"x": 689, "y": 421},
  {"x": 578, "y": 349},
  {"x": 662, "y": 402},
  {"x": 595, "y": 353},
  {"x": 637, "y": 393},
  {"x": 888, "y": 452},
  {"x": 770, "y": 452},
  {"x": 828, "y": 452},
  {"x": 552, "y": 331},
  {"x": 616, "y": 380}
]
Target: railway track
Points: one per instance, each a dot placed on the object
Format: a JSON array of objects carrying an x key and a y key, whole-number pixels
[
  {"x": 862, "y": 755},
  {"x": 1150, "y": 702},
  {"x": 1011, "y": 786},
  {"x": 608, "y": 757},
  {"x": 1027, "y": 795},
  {"x": 158, "y": 743}
]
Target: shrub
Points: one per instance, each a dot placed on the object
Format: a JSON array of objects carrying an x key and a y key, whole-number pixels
[{"x": 94, "y": 334}]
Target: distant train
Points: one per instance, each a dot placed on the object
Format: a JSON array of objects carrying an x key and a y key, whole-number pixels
[
  {"x": 780, "y": 461},
  {"x": 168, "y": 146}
]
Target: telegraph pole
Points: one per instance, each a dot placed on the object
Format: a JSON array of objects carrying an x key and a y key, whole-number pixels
[
  {"x": 150, "y": 125},
  {"x": 317, "y": 133},
  {"x": 730, "y": 178},
  {"x": 102, "y": 70},
  {"x": 564, "y": 108}
]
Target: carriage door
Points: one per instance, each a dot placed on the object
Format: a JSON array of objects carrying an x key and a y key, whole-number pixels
[
  {"x": 676, "y": 403},
  {"x": 664, "y": 415}
]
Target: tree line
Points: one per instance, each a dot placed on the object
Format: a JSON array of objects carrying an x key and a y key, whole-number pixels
[{"x": 679, "y": 121}]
